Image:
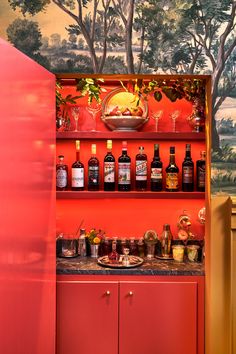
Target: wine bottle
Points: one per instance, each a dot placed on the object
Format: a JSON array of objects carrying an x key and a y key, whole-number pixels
[
  {"x": 188, "y": 171},
  {"x": 172, "y": 173},
  {"x": 201, "y": 172},
  {"x": 93, "y": 170},
  {"x": 77, "y": 171},
  {"x": 124, "y": 170},
  {"x": 141, "y": 170},
  {"x": 109, "y": 169},
  {"x": 61, "y": 174},
  {"x": 156, "y": 171}
]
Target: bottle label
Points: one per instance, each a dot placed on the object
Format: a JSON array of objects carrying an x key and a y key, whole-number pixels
[
  {"x": 109, "y": 172},
  {"x": 93, "y": 175},
  {"x": 124, "y": 172},
  {"x": 156, "y": 174},
  {"x": 187, "y": 174},
  {"x": 201, "y": 176},
  {"x": 77, "y": 175},
  {"x": 141, "y": 170},
  {"x": 172, "y": 180},
  {"x": 61, "y": 178}
]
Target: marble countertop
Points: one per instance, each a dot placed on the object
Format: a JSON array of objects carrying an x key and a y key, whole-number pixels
[{"x": 89, "y": 266}]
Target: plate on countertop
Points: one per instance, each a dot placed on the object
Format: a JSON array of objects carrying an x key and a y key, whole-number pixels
[
  {"x": 134, "y": 262},
  {"x": 169, "y": 258}
]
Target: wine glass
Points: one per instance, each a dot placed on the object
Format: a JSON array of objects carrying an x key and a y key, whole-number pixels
[
  {"x": 75, "y": 113},
  {"x": 93, "y": 109},
  {"x": 174, "y": 115},
  {"x": 156, "y": 116}
]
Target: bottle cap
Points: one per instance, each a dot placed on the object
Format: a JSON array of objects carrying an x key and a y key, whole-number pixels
[
  {"x": 93, "y": 149},
  {"x": 61, "y": 157},
  {"x": 124, "y": 144},
  {"x": 172, "y": 150},
  {"x": 141, "y": 148},
  {"x": 188, "y": 147},
  {"x": 203, "y": 153},
  {"x": 77, "y": 144},
  {"x": 109, "y": 144},
  {"x": 156, "y": 146}
]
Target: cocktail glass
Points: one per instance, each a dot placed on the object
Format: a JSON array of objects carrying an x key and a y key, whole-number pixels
[
  {"x": 156, "y": 116},
  {"x": 75, "y": 113},
  {"x": 93, "y": 109},
  {"x": 174, "y": 115}
]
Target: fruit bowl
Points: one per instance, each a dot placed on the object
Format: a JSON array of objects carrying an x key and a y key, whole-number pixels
[{"x": 124, "y": 111}]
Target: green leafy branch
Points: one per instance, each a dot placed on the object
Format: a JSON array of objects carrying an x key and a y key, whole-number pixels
[{"x": 90, "y": 87}]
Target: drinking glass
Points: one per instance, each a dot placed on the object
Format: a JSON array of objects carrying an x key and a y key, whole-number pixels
[
  {"x": 174, "y": 115},
  {"x": 75, "y": 113},
  {"x": 156, "y": 116},
  {"x": 93, "y": 109}
]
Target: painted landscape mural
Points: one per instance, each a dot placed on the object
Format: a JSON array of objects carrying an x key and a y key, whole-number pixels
[{"x": 136, "y": 36}]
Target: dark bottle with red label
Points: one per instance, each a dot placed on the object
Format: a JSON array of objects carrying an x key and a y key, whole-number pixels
[
  {"x": 172, "y": 173},
  {"x": 93, "y": 170},
  {"x": 188, "y": 171},
  {"x": 201, "y": 172},
  {"x": 141, "y": 170},
  {"x": 124, "y": 170},
  {"x": 156, "y": 171},
  {"x": 109, "y": 169},
  {"x": 61, "y": 174}
]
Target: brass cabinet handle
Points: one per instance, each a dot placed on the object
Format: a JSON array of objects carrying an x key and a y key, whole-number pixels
[{"x": 108, "y": 293}]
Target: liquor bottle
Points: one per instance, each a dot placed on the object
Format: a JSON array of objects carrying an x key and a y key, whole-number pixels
[
  {"x": 188, "y": 171},
  {"x": 172, "y": 173},
  {"x": 109, "y": 169},
  {"x": 82, "y": 243},
  {"x": 114, "y": 255},
  {"x": 166, "y": 238},
  {"x": 93, "y": 170},
  {"x": 61, "y": 174},
  {"x": 201, "y": 172},
  {"x": 124, "y": 170},
  {"x": 156, "y": 171},
  {"x": 77, "y": 171},
  {"x": 141, "y": 170}
]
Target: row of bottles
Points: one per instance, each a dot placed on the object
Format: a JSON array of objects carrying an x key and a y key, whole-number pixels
[{"x": 124, "y": 171}]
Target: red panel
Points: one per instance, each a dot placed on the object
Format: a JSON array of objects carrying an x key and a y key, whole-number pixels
[
  {"x": 158, "y": 318},
  {"x": 27, "y": 260},
  {"x": 87, "y": 318}
]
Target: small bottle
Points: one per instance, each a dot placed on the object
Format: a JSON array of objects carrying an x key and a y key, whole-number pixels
[
  {"x": 166, "y": 238},
  {"x": 188, "y": 171},
  {"x": 77, "y": 171},
  {"x": 156, "y": 171},
  {"x": 109, "y": 169},
  {"x": 61, "y": 174},
  {"x": 106, "y": 246},
  {"x": 82, "y": 249},
  {"x": 141, "y": 247},
  {"x": 141, "y": 170},
  {"x": 201, "y": 172},
  {"x": 93, "y": 170},
  {"x": 133, "y": 247},
  {"x": 114, "y": 255},
  {"x": 124, "y": 170},
  {"x": 172, "y": 173}
]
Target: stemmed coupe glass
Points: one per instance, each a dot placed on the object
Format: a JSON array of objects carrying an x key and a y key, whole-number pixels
[
  {"x": 156, "y": 116},
  {"x": 174, "y": 115},
  {"x": 75, "y": 113},
  {"x": 93, "y": 109}
]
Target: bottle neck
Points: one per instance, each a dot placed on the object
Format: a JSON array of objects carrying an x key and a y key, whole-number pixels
[
  {"x": 77, "y": 155},
  {"x": 172, "y": 159},
  {"x": 156, "y": 154},
  {"x": 188, "y": 154},
  {"x": 124, "y": 152}
]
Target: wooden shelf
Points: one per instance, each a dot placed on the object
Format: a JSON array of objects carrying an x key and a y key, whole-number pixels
[
  {"x": 186, "y": 136},
  {"x": 129, "y": 195}
]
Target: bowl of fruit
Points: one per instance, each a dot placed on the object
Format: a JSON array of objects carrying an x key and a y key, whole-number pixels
[{"x": 124, "y": 111}]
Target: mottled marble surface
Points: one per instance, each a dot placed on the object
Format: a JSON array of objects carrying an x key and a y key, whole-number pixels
[{"x": 89, "y": 266}]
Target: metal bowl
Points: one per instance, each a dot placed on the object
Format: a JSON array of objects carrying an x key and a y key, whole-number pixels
[
  {"x": 124, "y": 123},
  {"x": 121, "y": 99}
]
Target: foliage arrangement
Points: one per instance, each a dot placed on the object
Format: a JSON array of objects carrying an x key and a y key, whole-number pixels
[
  {"x": 63, "y": 101},
  {"x": 95, "y": 236},
  {"x": 90, "y": 87}
]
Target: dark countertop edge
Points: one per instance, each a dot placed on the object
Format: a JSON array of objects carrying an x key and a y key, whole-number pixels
[{"x": 125, "y": 273}]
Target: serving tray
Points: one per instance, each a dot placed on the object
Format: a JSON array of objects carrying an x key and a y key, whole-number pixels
[{"x": 134, "y": 261}]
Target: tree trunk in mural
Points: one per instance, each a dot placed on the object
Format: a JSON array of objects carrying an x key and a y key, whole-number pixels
[{"x": 123, "y": 7}]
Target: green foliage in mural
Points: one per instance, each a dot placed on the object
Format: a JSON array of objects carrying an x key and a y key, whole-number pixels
[{"x": 32, "y": 7}]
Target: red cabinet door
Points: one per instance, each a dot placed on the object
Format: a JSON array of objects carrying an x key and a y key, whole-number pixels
[
  {"x": 87, "y": 317},
  {"x": 158, "y": 318}
]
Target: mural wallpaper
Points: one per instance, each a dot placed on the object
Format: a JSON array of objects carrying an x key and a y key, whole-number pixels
[{"x": 137, "y": 36}]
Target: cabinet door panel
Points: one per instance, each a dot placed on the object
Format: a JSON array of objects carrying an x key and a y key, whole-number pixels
[
  {"x": 87, "y": 318},
  {"x": 158, "y": 318}
]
